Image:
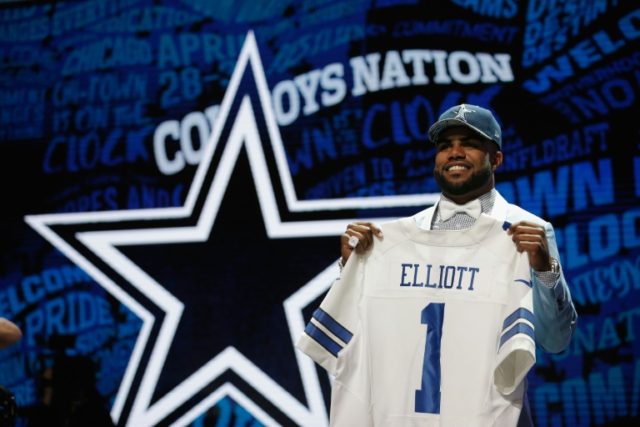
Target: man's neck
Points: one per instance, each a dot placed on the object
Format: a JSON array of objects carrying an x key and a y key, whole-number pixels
[{"x": 466, "y": 198}]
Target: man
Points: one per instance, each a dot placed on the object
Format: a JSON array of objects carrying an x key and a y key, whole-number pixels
[
  {"x": 468, "y": 141},
  {"x": 468, "y": 151},
  {"x": 10, "y": 333}
]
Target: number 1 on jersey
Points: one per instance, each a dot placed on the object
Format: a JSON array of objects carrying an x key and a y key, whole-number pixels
[{"x": 428, "y": 396}]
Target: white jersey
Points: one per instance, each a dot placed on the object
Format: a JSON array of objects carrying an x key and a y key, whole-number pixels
[{"x": 429, "y": 328}]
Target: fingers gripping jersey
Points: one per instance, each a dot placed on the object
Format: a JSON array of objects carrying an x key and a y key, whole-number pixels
[{"x": 429, "y": 328}]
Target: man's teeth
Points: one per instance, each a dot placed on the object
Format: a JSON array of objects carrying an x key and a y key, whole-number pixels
[{"x": 457, "y": 168}]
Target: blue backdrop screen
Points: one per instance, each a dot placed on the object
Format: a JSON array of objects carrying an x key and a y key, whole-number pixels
[{"x": 176, "y": 175}]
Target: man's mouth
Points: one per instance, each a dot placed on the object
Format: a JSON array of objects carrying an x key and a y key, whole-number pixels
[{"x": 456, "y": 168}]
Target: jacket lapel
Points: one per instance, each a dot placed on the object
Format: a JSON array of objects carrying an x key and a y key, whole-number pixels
[{"x": 500, "y": 208}]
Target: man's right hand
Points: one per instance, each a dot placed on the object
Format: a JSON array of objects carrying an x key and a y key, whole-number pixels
[{"x": 363, "y": 232}]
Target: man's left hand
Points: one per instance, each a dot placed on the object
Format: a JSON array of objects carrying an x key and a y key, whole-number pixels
[{"x": 531, "y": 238}]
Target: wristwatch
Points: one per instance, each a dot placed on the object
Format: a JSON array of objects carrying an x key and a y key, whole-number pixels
[{"x": 555, "y": 265}]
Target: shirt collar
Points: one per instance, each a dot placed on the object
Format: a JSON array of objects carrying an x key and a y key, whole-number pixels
[{"x": 486, "y": 200}]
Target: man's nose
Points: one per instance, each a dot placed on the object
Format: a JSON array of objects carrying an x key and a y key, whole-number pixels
[{"x": 456, "y": 152}]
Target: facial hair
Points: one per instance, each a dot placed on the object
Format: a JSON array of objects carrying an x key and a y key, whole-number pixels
[{"x": 476, "y": 181}]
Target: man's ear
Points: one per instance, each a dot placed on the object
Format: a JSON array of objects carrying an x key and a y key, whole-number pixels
[{"x": 496, "y": 159}]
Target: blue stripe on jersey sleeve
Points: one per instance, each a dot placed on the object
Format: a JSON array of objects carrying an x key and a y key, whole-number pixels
[
  {"x": 519, "y": 328},
  {"x": 332, "y": 326},
  {"x": 323, "y": 339},
  {"x": 520, "y": 313}
]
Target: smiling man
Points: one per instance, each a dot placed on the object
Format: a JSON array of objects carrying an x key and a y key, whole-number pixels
[
  {"x": 469, "y": 142},
  {"x": 469, "y": 150},
  {"x": 465, "y": 160}
]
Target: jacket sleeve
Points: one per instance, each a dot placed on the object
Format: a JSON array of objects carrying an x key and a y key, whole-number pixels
[{"x": 556, "y": 315}]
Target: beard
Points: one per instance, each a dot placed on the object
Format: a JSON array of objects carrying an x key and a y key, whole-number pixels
[{"x": 477, "y": 180}]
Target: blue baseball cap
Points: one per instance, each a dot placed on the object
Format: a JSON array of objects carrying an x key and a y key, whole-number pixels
[{"x": 476, "y": 118}]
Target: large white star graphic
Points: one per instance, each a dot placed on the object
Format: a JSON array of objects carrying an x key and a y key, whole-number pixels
[{"x": 103, "y": 244}]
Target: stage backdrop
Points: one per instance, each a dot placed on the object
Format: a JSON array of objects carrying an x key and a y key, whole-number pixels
[{"x": 176, "y": 175}]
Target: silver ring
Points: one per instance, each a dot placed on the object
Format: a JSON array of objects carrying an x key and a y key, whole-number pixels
[{"x": 353, "y": 241}]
